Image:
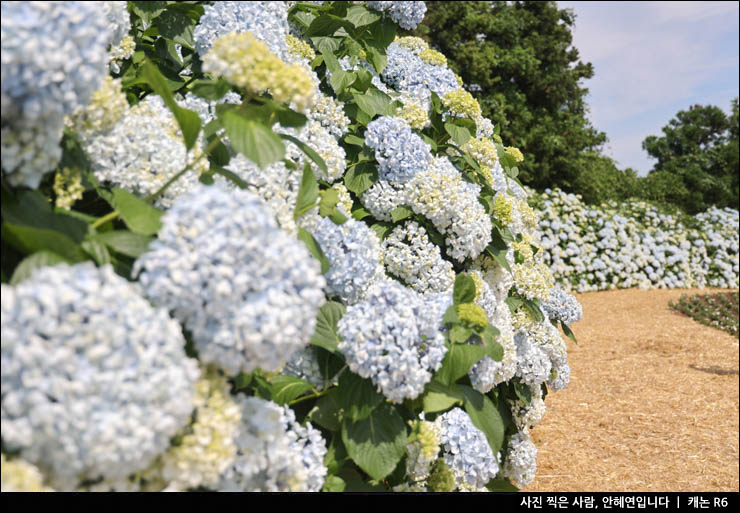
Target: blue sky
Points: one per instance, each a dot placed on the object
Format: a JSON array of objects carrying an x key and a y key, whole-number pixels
[{"x": 652, "y": 59}]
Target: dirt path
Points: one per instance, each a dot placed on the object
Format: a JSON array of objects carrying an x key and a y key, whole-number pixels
[{"x": 652, "y": 403}]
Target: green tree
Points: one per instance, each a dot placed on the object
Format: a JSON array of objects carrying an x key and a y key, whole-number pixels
[
  {"x": 697, "y": 159},
  {"x": 517, "y": 59}
]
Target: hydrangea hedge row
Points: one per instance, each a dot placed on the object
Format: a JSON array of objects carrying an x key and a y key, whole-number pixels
[
  {"x": 635, "y": 244},
  {"x": 262, "y": 246}
]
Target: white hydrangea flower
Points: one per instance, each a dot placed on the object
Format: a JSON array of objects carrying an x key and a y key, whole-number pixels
[
  {"x": 258, "y": 289},
  {"x": 95, "y": 381},
  {"x": 143, "y": 150},
  {"x": 20, "y": 476},
  {"x": 521, "y": 459},
  {"x": 54, "y": 56},
  {"x": 527, "y": 416}
]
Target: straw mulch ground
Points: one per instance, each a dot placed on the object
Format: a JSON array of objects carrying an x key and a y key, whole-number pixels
[{"x": 652, "y": 403}]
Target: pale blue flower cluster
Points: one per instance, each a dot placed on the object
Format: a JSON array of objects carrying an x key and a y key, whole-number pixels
[
  {"x": 95, "y": 380},
  {"x": 466, "y": 450},
  {"x": 521, "y": 459},
  {"x": 635, "y": 244},
  {"x": 274, "y": 452},
  {"x": 393, "y": 338},
  {"x": 119, "y": 21},
  {"x": 562, "y": 307},
  {"x": 406, "y": 14},
  {"x": 266, "y": 21},
  {"x": 353, "y": 251},
  {"x": 410, "y": 255},
  {"x": 54, "y": 56},
  {"x": 246, "y": 290},
  {"x": 401, "y": 154},
  {"x": 407, "y": 72}
]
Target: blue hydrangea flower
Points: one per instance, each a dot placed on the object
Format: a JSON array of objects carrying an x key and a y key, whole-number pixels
[
  {"x": 400, "y": 153},
  {"x": 406, "y": 14},
  {"x": 407, "y": 73},
  {"x": 95, "y": 380},
  {"x": 466, "y": 450},
  {"x": 563, "y": 306},
  {"x": 353, "y": 251},
  {"x": 54, "y": 56},
  {"x": 393, "y": 338},
  {"x": 267, "y": 21},
  {"x": 247, "y": 291}
]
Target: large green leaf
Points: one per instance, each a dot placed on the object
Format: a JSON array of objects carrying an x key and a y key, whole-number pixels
[
  {"x": 372, "y": 102},
  {"x": 210, "y": 89},
  {"x": 458, "y": 361},
  {"x": 464, "y": 290},
  {"x": 325, "y": 334},
  {"x": 308, "y": 193},
  {"x": 96, "y": 250},
  {"x": 438, "y": 397},
  {"x": 376, "y": 443},
  {"x": 28, "y": 239},
  {"x": 484, "y": 416},
  {"x": 568, "y": 332},
  {"x": 285, "y": 388},
  {"x": 360, "y": 178},
  {"x": 31, "y": 208},
  {"x": 125, "y": 242},
  {"x": 327, "y": 413},
  {"x": 359, "y": 16},
  {"x": 252, "y": 139},
  {"x": 401, "y": 213},
  {"x": 357, "y": 396},
  {"x": 138, "y": 215},
  {"x": 33, "y": 262},
  {"x": 458, "y": 134}
]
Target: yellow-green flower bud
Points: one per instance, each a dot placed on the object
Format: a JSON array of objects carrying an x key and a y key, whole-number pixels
[
  {"x": 482, "y": 150},
  {"x": 473, "y": 314},
  {"x": 414, "y": 114},
  {"x": 442, "y": 479},
  {"x": 433, "y": 57},
  {"x": 462, "y": 104},
  {"x": 502, "y": 209},
  {"x": 514, "y": 152},
  {"x": 299, "y": 47},
  {"x": 415, "y": 44}
]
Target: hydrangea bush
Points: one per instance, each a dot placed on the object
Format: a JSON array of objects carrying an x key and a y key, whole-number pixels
[
  {"x": 635, "y": 244},
  {"x": 262, "y": 246}
]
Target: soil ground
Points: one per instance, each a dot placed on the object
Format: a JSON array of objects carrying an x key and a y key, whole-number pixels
[{"x": 652, "y": 403}]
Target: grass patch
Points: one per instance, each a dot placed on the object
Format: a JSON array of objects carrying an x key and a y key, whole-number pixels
[{"x": 716, "y": 310}]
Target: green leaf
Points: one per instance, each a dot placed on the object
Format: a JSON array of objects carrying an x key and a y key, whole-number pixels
[
  {"x": 336, "y": 454},
  {"x": 484, "y": 416},
  {"x": 32, "y": 262},
  {"x": 325, "y": 334},
  {"x": 382, "y": 229},
  {"x": 458, "y": 361},
  {"x": 285, "y": 388},
  {"x": 138, "y": 215},
  {"x": 290, "y": 118},
  {"x": 534, "y": 307},
  {"x": 357, "y": 396},
  {"x": 210, "y": 89},
  {"x": 450, "y": 316},
  {"x": 359, "y": 16},
  {"x": 385, "y": 32},
  {"x": 314, "y": 248},
  {"x": 125, "y": 242},
  {"x": 464, "y": 290},
  {"x": 497, "y": 249},
  {"x": 376, "y": 443},
  {"x": 514, "y": 303},
  {"x": 333, "y": 484},
  {"x": 523, "y": 392},
  {"x": 501, "y": 485},
  {"x": 360, "y": 213},
  {"x": 401, "y": 213},
  {"x": 458, "y": 134},
  {"x": 29, "y": 240},
  {"x": 460, "y": 334},
  {"x": 96, "y": 250},
  {"x": 372, "y": 102},
  {"x": 230, "y": 175},
  {"x": 328, "y": 202},
  {"x": 354, "y": 140},
  {"x": 176, "y": 26},
  {"x": 340, "y": 80},
  {"x": 188, "y": 120},
  {"x": 568, "y": 332},
  {"x": 377, "y": 58},
  {"x": 438, "y": 397},
  {"x": 360, "y": 178},
  {"x": 31, "y": 208},
  {"x": 307, "y": 194},
  {"x": 493, "y": 348},
  {"x": 305, "y": 148},
  {"x": 252, "y": 139},
  {"x": 324, "y": 25},
  {"x": 327, "y": 413}
]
